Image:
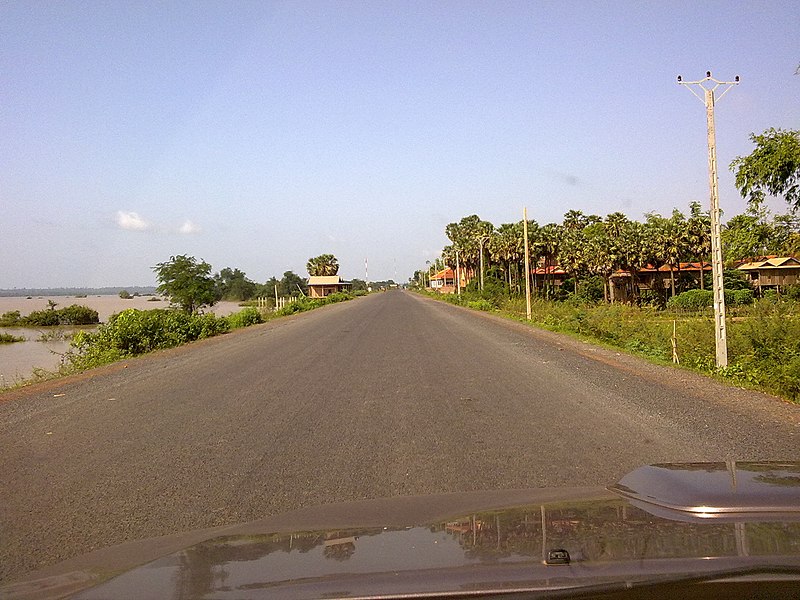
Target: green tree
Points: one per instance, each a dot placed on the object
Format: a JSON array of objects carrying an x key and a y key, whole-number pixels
[
  {"x": 324, "y": 264},
  {"x": 547, "y": 245},
  {"x": 772, "y": 168},
  {"x": 466, "y": 236},
  {"x": 187, "y": 282},
  {"x": 601, "y": 252},
  {"x": 361, "y": 285},
  {"x": 667, "y": 242},
  {"x": 267, "y": 290},
  {"x": 751, "y": 235},
  {"x": 233, "y": 284},
  {"x": 292, "y": 284},
  {"x": 507, "y": 247},
  {"x": 698, "y": 237}
]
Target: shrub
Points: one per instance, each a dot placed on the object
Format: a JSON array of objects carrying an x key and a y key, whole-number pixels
[
  {"x": 493, "y": 288},
  {"x": 700, "y": 299},
  {"x": 133, "y": 332},
  {"x": 742, "y": 297},
  {"x": 337, "y": 297},
  {"x": 77, "y": 315},
  {"x": 244, "y": 318},
  {"x": 71, "y": 315},
  {"x": 305, "y": 303},
  {"x": 6, "y": 338},
  {"x": 10, "y": 318},
  {"x": 41, "y": 318},
  {"x": 691, "y": 300},
  {"x": 480, "y": 304}
]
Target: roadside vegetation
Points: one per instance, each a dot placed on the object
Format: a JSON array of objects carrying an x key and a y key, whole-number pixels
[
  {"x": 643, "y": 286},
  {"x": 189, "y": 285},
  {"x": 763, "y": 336},
  {"x": 135, "y": 332}
]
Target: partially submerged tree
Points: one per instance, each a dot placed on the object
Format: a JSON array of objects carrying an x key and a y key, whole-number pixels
[
  {"x": 772, "y": 168},
  {"x": 187, "y": 282}
]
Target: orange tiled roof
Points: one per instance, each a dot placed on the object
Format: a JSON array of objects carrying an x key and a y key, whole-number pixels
[{"x": 444, "y": 274}]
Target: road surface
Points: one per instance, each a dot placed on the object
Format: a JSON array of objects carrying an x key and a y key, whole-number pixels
[{"x": 391, "y": 394}]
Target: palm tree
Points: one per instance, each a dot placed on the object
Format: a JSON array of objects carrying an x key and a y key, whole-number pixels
[
  {"x": 572, "y": 253},
  {"x": 600, "y": 253},
  {"x": 505, "y": 247},
  {"x": 633, "y": 250},
  {"x": 466, "y": 236},
  {"x": 698, "y": 236},
  {"x": 324, "y": 264},
  {"x": 549, "y": 241}
]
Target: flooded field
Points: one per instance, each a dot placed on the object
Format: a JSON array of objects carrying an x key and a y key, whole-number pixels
[{"x": 44, "y": 346}]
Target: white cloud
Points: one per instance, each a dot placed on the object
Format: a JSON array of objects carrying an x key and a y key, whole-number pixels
[
  {"x": 131, "y": 221},
  {"x": 189, "y": 228}
]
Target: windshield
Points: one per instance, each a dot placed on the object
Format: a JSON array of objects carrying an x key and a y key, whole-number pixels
[{"x": 262, "y": 257}]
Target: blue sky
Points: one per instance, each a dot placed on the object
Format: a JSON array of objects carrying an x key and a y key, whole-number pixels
[{"x": 255, "y": 135}]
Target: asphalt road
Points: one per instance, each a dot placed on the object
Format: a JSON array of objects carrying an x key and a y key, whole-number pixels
[{"x": 387, "y": 395}]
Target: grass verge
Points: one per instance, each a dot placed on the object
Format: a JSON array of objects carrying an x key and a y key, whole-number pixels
[{"x": 763, "y": 338}]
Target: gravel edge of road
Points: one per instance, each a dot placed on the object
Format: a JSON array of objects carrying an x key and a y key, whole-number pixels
[{"x": 622, "y": 359}]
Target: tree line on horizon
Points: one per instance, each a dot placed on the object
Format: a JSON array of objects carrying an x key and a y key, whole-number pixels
[
  {"x": 189, "y": 282},
  {"x": 589, "y": 245},
  {"x": 593, "y": 246}
]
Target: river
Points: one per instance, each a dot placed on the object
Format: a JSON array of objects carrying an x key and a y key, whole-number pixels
[{"x": 44, "y": 346}]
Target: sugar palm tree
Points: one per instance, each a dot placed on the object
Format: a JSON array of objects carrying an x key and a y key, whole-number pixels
[
  {"x": 698, "y": 236},
  {"x": 548, "y": 243},
  {"x": 324, "y": 264},
  {"x": 505, "y": 247}
]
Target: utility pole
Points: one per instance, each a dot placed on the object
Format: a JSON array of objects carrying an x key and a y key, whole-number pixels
[
  {"x": 709, "y": 99},
  {"x": 458, "y": 276},
  {"x": 482, "y": 240},
  {"x": 527, "y": 264},
  {"x": 428, "y": 265}
]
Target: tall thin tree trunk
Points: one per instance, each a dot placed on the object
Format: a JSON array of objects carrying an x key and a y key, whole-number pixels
[
  {"x": 672, "y": 280},
  {"x": 702, "y": 274}
]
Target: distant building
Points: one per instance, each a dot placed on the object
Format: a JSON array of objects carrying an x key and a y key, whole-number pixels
[
  {"x": 552, "y": 275},
  {"x": 623, "y": 288},
  {"x": 772, "y": 272},
  {"x": 444, "y": 281},
  {"x": 320, "y": 286}
]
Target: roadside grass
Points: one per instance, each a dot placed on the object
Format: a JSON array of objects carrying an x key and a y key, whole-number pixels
[
  {"x": 763, "y": 337},
  {"x": 134, "y": 332}
]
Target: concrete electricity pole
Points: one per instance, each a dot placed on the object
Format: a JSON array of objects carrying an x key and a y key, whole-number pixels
[
  {"x": 482, "y": 240},
  {"x": 458, "y": 275},
  {"x": 708, "y": 98},
  {"x": 527, "y": 263}
]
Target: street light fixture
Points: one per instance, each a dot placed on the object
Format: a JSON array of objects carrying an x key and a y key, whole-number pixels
[{"x": 708, "y": 99}]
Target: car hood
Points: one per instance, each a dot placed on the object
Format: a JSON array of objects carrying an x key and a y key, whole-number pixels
[{"x": 659, "y": 522}]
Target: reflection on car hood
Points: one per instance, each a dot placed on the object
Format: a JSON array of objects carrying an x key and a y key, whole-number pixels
[{"x": 643, "y": 529}]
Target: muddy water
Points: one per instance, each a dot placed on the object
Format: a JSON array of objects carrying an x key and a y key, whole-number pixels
[{"x": 18, "y": 360}]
